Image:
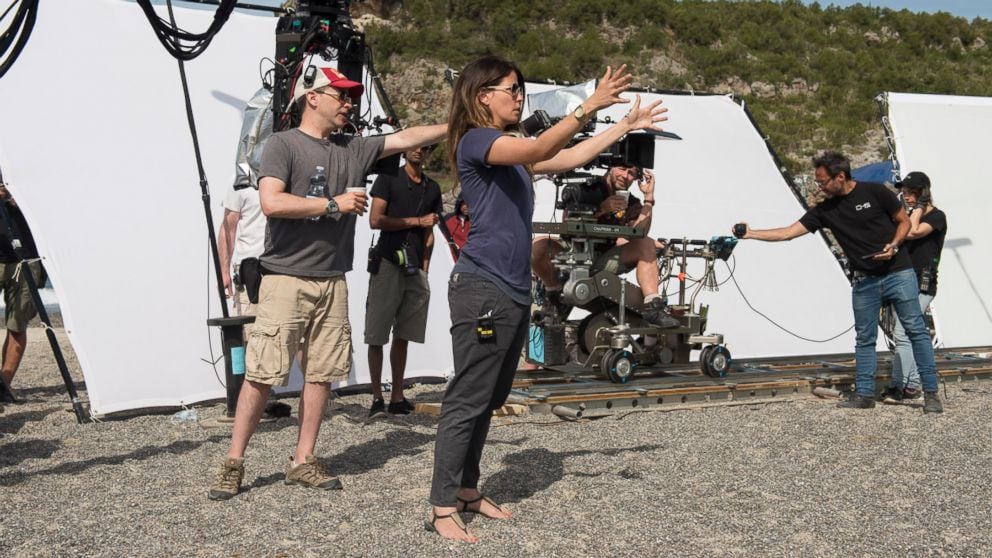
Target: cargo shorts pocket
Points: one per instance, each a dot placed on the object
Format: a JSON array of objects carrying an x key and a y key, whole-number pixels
[
  {"x": 267, "y": 357},
  {"x": 328, "y": 359},
  {"x": 342, "y": 353}
]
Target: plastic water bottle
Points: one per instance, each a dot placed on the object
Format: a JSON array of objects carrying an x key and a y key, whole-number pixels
[
  {"x": 186, "y": 415},
  {"x": 318, "y": 188}
]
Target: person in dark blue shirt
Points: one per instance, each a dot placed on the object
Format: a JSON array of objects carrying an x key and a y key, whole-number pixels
[{"x": 489, "y": 289}]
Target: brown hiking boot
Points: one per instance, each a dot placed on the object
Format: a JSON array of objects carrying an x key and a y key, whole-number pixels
[
  {"x": 311, "y": 475},
  {"x": 228, "y": 480},
  {"x": 931, "y": 403}
]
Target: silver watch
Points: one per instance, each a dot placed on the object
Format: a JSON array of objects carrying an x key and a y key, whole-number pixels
[{"x": 332, "y": 208}]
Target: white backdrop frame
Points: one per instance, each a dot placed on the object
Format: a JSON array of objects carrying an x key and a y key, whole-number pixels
[
  {"x": 944, "y": 136},
  {"x": 110, "y": 190}
]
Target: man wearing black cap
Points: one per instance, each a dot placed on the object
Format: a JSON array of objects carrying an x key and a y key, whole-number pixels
[
  {"x": 870, "y": 224},
  {"x": 924, "y": 243},
  {"x": 311, "y": 187}
]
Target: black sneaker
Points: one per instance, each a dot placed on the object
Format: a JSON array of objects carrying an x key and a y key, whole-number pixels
[
  {"x": 912, "y": 393},
  {"x": 378, "y": 408},
  {"x": 892, "y": 396},
  {"x": 656, "y": 314},
  {"x": 857, "y": 401},
  {"x": 931, "y": 403},
  {"x": 403, "y": 407}
]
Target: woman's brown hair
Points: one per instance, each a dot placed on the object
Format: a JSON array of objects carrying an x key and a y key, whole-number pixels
[{"x": 466, "y": 110}]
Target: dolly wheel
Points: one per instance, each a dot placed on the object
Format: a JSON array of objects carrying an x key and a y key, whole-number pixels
[
  {"x": 618, "y": 366},
  {"x": 703, "y": 356},
  {"x": 717, "y": 361}
]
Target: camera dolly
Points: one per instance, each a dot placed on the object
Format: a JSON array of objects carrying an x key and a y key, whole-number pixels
[{"x": 614, "y": 340}]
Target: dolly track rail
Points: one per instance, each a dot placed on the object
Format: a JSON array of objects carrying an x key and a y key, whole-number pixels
[{"x": 569, "y": 392}]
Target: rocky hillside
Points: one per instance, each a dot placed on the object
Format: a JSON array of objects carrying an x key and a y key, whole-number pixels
[{"x": 809, "y": 74}]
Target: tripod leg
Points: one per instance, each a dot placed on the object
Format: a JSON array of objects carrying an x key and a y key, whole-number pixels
[{"x": 70, "y": 385}]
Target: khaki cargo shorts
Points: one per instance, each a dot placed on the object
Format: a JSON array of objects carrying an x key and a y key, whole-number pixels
[
  {"x": 612, "y": 261},
  {"x": 300, "y": 314},
  {"x": 396, "y": 302},
  {"x": 20, "y": 308}
]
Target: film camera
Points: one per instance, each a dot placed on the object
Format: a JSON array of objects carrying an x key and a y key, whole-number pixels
[
  {"x": 634, "y": 150},
  {"x": 321, "y": 28}
]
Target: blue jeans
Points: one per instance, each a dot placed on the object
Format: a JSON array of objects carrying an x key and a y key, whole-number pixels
[
  {"x": 904, "y": 372},
  {"x": 869, "y": 294}
]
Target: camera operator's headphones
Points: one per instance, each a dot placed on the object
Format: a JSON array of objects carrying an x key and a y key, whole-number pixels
[
  {"x": 917, "y": 181},
  {"x": 309, "y": 75}
]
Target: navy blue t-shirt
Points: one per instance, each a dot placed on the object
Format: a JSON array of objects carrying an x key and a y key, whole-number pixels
[{"x": 502, "y": 202}]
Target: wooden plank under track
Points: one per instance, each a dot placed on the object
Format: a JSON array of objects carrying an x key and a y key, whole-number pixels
[{"x": 573, "y": 387}]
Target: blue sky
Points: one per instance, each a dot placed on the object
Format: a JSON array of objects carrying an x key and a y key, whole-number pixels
[{"x": 969, "y": 9}]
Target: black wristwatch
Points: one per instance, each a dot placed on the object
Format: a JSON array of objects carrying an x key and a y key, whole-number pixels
[{"x": 332, "y": 208}]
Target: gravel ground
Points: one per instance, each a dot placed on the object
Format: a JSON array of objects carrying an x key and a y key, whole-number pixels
[{"x": 798, "y": 477}]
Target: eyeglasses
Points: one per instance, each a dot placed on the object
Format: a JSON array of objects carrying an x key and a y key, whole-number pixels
[
  {"x": 514, "y": 90},
  {"x": 340, "y": 97},
  {"x": 822, "y": 183}
]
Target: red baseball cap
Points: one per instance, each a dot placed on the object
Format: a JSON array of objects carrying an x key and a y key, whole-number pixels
[{"x": 325, "y": 77}]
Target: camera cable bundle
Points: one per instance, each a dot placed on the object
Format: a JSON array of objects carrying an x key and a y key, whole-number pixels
[
  {"x": 773, "y": 322},
  {"x": 16, "y": 36},
  {"x": 173, "y": 38}
]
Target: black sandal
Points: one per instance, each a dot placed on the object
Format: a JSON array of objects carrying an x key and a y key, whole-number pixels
[
  {"x": 466, "y": 503},
  {"x": 430, "y": 525}
]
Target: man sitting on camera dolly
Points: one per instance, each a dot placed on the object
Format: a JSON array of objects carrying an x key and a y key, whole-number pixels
[{"x": 615, "y": 206}]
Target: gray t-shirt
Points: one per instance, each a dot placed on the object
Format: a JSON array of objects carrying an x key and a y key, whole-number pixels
[{"x": 325, "y": 247}]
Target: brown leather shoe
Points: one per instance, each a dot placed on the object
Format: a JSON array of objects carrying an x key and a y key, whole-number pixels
[
  {"x": 311, "y": 475},
  {"x": 228, "y": 480}
]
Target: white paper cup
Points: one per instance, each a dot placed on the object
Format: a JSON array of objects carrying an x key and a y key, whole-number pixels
[
  {"x": 624, "y": 193},
  {"x": 360, "y": 189}
]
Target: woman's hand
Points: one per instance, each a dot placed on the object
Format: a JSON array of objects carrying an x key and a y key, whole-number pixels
[
  {"x": 611, "y": 85},
  {"x": 646, "y": 118}
]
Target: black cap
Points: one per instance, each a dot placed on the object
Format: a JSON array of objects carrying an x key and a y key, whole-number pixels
[{"x": 914, "y": 180}]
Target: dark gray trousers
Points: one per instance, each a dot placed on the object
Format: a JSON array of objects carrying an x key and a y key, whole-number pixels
[{"x": 483, "y": 377}]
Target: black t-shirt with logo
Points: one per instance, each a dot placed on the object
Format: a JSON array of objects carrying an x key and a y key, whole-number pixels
[
  {"x": 862, "y": 223},
  {"x": 28, "y": 249},
  {"x": 925, "y": 252},
  {"x": 405, "y": 198}
]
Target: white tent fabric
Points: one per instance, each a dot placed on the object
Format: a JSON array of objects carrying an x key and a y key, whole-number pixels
[
  {"x": 944, "y": 136},
  {"x": 98, "y": 153}
]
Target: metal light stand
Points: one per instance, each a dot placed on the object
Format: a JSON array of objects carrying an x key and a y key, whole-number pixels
[{"x": 232, "y": 328}]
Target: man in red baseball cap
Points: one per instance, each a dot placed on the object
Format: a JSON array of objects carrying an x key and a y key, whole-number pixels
[
  {"x": 321, "y": 78},
  {"x": 304, "y": 183}
]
